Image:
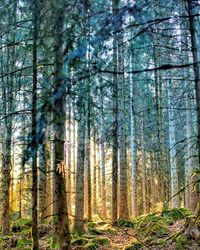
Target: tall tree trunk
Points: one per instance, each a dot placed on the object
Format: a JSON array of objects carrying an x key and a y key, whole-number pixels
[
  {"x": 74, "y": 150},
  {"x": 172, "y": 150},
  {"x": 33, "y": 132},
  {"x": 8, "y": 101},
  {"x": 133, "y": 148},
  {"x": 69, "y": 169},
  {"x": 88, "y": 153},
  {"x": 44, "y": 166},
  {"x": 144, "y": 194},
  {"x": 79, "y": 200},
  {"x": 123, "y": 200},
  {"x": 115, "y": 126},
  {"x": 61, "y": 226},
  {"x": 195, "y": 42},
  {"x": 102, "y": 143},
  {"x": 95, "y": 175}
]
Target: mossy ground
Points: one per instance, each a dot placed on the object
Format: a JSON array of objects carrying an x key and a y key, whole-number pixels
[{"x": 164, "y": 230}]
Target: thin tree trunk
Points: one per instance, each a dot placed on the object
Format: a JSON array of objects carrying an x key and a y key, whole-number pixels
[
  {"x": 102, "y": 143},
  {"x": 95, "y": 176},
  {"x": 115, "y": 126},
  {"x": 172, "y": 152},
  {"x": 133, "y": 149},
  {"x": 69, "y": 169},
  {"x": 88, "y": 153},
  {"x": 123, "y": 200},
  {"x": 144, "y": 194},
  {"x": 79, "y": 200},
  {"x": 33, "y": 132}
]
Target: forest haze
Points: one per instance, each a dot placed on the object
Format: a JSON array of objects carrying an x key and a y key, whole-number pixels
[{"x": 99, "y": 124}]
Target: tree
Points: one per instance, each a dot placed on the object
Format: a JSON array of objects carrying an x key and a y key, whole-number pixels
[{"x": 61, "y": 226}]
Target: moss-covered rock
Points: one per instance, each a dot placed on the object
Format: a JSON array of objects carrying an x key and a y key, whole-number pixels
[{"x": 152, "y": 225}]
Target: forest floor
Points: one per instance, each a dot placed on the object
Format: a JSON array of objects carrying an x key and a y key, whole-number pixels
[{"x": 168, "y": 230}]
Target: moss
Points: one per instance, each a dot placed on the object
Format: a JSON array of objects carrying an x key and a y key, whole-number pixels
[
  {"x": 55, "y": 245},
  {"x": 96, "y": 243},
  {"x": 91, "y": 225},
  {"x": 26, "y": 232},
  {"x": 21, "y": 224},
  {"x": 101, "y": 241},
  {"x": 125, "y": 223},
  {"x": 152, "y": 225},
  {"x": 21, "y": 244},
  {"x": 176, "y": 213},
  {"x": 6, "y": 237},
  {"x": 81, "y": 241},
  {"x": 134, "y": 246},
  {"x": 90, "y": 246},
  {"x": 1, "y": 243},
  {"x": 181, "y": 242}
]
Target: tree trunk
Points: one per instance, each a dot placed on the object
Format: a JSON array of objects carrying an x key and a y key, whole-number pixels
[
  {"x": 123, "y": 200},
  {"x": 102, "y": 143},
  {"x": 195, "y": 42},
  {"x": 79, "y": 200},
  {"x": 172, "y": 150},
  {"x": 44, "y": 166},
  {"x": 69, "y": 168},
  {"x": 115, "y": 126},
  {"x": 144, "y": 195},
  {"x": 33, "y": 132},
  {"x": 133, "y": 149},
  {"x": 61, "y": 225},
  {"x": 95, "y": 176}
]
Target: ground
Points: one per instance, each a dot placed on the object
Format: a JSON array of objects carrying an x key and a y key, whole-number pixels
[{"x": 167, "y": 230}]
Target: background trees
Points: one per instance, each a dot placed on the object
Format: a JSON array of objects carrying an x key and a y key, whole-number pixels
[{"x": 101, "y": 100}]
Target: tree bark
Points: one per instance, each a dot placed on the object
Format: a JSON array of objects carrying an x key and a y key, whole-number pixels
[
  {"x": 61, "y": 225},
  {"x": 172, "y": 150},
  {"x": 79, "y": 200},
  {"x": 115, "y": 126}
]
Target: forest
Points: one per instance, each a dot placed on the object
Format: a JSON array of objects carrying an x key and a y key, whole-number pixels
[{"x": 100, "y": 124}]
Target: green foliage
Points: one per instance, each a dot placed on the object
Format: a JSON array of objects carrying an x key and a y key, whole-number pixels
[
  {"x": 96, "y": 243},
  {"x": 134, "y": 246},
  {"x": 21, "y": 244},
  {"x": 91, "y": 225},
  {"x": 26, "y": 232},
  {"x": 176, "y": 213},
  {"x": 81, "y": 241},
  {"x": 101, "y": 241},
  {"x": 152, "y": 225},
  {"x": 100, "y": 228},
  {"x": 55, "y": 245},
  {"x": 90, "y": 242},
  {"x": 125, "y": 223},
  {"x": 1, "y": 243},
  {"x": 181, "y": 242},
  {"x": 21, "y": 225}
]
